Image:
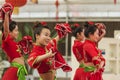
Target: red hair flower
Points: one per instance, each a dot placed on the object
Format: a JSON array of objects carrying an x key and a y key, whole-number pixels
[
  {"x": 76, "y": 25},
  {"x": 43, "y": 23},
  {"x": 91, "y": 23}
]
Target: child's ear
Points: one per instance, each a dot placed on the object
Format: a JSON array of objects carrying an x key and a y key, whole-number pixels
[
  {"x": 78, "y": 34},
  {"x": 37, "y": 36}
]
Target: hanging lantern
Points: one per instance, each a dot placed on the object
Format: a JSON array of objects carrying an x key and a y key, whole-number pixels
[
  {"x": 17, "y": 3},
  {"x": 57, "y": 4}
]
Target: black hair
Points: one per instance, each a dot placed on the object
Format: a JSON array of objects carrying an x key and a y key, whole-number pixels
[
  {"x": 76, "y": 29},
  {"x": 12, "y": 26},
  {"x": 38, "y": 28},
  {"x": 89, "y": 29}
]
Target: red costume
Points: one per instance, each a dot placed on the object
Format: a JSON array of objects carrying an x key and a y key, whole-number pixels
[
  {"x": 49, "y": 63},
  {"x": 10, "y": 47},
  {"x": 91, "y": 55},
  {"x": 78, "y": 52}
]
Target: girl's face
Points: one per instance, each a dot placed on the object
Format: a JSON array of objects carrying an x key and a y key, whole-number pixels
[
  {"x": 94, "y": 37},
  {"x": 44, "y": 38},
  {"x": 15, "y": 32}
]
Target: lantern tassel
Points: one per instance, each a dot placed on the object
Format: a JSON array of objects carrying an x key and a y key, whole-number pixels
[{"x": 115, "y": 1}]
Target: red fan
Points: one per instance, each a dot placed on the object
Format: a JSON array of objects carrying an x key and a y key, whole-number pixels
[
  {"x": 25, "y": 44},
  {"x": 7, "y": 7},
  {"x": 63, "y": 29},
  {"x": 57, "y": 61}
]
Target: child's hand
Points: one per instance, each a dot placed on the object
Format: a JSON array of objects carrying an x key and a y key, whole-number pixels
[{"x": 50, "y": 53}]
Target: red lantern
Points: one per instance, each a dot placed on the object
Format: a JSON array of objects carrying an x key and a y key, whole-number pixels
[{"x": 17, "y": 3}]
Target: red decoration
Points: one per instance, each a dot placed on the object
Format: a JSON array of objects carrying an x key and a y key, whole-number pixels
[
  {"x": 62, "y": 29},
  {"x": 57, "y": 4},
  {"x": 43, "y": 23},
  {"x": 7, "y": 7},
  {"x": 25, "y": 44},
  {"x": 115, "y": 1},
  {"x": 100, "y": 26},
  {"x": 17, "y": 3},
  {"x": 90, "y": 22}
]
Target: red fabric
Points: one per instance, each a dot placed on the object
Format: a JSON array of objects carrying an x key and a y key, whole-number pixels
[
  {"x": 6, "y": 8},
  {"x": 25, "y": 44},
  {"x": 10, "y": 47},
  {"x": 10, "y": 74},
  {"x": 78, "y": 50},
  {"x": 63, "y": 29},
  {"x": 81, "y": 75}
]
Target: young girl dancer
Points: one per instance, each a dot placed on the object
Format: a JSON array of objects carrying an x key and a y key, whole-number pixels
[
  {"x": 78, "y": 49},
  {"x": 42, "y": 54},
  {"x": 78, "y": 33},
  {"x": 93, "y": 60},
  {"x": 17, "y": 70}
]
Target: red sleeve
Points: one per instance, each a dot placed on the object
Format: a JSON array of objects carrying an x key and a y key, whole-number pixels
[
  {"x": 77, "y": 53},
  {"x": 7, "y": 38},
  {"x": 52, "y": 45},
  {"x": 55, "y": 43},
  {"x": 31, "y": 60}
]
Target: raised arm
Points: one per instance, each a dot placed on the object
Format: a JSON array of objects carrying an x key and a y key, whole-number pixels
[
  {"x": 57, "y": 38},
  {"x": 6, "y": 24},
  {"x": 102, "y": 35}
]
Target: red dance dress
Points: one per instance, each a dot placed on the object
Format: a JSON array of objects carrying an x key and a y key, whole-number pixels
[{"x": 92, "y": 58}]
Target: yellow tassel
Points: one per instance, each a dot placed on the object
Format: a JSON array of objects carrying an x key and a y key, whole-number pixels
[{"x": 16, "y": 10}]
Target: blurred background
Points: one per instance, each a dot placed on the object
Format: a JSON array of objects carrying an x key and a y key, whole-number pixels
[{"x": 27, "y": 12}]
